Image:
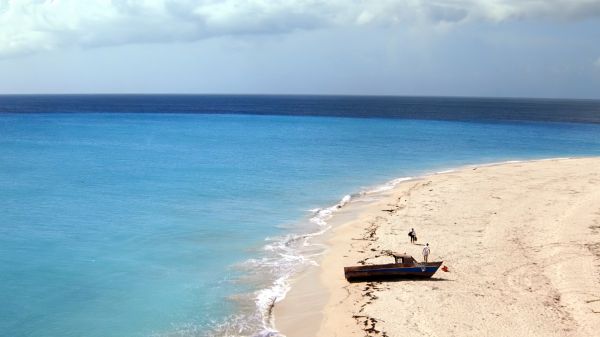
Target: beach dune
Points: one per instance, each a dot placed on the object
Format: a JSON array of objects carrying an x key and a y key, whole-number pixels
[{"x": 521, "y": 241}]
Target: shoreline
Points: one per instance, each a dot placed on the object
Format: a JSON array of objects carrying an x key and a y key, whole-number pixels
[{"x": 317, "y": 304}]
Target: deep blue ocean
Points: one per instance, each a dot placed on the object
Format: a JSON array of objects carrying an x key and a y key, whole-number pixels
[{"x": 172, "y": 215}]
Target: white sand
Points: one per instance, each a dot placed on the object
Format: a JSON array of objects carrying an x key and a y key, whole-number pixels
[{"x": 521, "y": 240}]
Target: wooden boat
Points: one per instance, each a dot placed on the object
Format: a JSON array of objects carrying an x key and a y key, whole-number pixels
[{"x": 405, "y": 266}]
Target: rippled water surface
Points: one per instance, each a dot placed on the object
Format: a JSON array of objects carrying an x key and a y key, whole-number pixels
[{"x": 166, "y": 224}]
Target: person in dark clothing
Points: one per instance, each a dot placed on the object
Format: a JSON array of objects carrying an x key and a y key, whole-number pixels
[{"x": 413, "y": 235}]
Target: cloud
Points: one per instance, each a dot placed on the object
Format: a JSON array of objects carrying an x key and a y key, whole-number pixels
[{"x": 30, "y": 26}]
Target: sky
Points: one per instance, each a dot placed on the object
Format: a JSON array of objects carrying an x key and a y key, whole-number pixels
[{"x": 491, "y": 48}]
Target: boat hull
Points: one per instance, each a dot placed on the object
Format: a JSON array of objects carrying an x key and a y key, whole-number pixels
[{"x": 392, "y": 271}]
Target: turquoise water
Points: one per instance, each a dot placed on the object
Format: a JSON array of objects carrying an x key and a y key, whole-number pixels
[{"x": 165, "y": 224}]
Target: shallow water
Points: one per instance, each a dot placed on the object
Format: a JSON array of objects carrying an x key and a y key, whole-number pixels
[{"x": 175, "y": 224}]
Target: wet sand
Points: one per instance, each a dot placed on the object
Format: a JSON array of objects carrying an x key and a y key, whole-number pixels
[{"x": 521, "y": 241}]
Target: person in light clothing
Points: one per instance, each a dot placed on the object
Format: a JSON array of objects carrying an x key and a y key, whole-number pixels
[{"x": 426, "y": 252}]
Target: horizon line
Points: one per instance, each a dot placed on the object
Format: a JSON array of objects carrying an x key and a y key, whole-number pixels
[{"x": 299, "y": 95}]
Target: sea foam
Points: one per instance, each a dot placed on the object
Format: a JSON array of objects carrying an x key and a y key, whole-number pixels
[
  {"x": 289, "y": 254},
  {"x": 284, "y": 257}
]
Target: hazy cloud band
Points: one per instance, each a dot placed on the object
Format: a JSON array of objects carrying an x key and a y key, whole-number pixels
[{"x": 29, "y": 26}]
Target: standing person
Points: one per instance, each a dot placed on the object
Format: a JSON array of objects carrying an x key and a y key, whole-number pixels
[
  {"x": 413, "y": 235},
  {"x": 426, "y": 252}
]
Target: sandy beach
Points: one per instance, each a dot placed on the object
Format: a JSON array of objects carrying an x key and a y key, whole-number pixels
[{"x": 521, "y": 241}]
